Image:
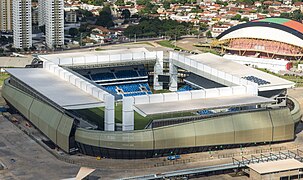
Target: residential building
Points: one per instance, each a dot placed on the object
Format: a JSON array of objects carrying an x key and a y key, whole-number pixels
[
  {"x": 54, "y": 23},
  {"x": 6, "y": 22},
  {"x": 71, "y": 17},
  {"x": 35, "y": 16},
  {"x": 41, "y": 12},
  {"x": 22, "y": 23}
]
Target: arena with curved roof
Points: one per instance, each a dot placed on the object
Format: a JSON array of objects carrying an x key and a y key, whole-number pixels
[{"x": 274, "y": 38}]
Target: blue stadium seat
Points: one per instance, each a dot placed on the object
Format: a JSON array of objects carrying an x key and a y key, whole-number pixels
[
  {"x": 146, "y": 86},
  {"x": 185, "y": 88},
  {"x": 111, "y": 88},
  {"x": 130, "y": 87},
  {"x": 102, "y": 76},
  {"x": 142, "y": 72},
  {"x": 126, "y": 74},
  {"x": 234, "y": 109},
  {"x": 205, "y": 112}
]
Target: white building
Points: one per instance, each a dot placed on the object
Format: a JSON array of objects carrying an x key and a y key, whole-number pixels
[
  {"x": 273, "y": 65},
  {"x": 6, "y": 22},
  {"x": 71, "y": 17},
  {"x": 22, "y": 23},
  {"x": 216, "y": 30},
  {"x": 54, "y": 23},
  {"x": 41, "y": 15}
]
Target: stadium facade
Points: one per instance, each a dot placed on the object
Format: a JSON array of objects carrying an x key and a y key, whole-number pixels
[
  {"x": 210, "y": 106},
  {"x": 270, "y": 38}
]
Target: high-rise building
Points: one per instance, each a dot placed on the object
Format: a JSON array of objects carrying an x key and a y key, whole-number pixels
[
  {"x": 22, "y": 23},
  {"x": 35, "y": 16},
  {"x": 41, "y": 13},
  {"x": 54, "y": 23},
  {"x": 6, "y": 22}
]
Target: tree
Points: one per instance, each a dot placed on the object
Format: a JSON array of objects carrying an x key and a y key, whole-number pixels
[
  {"x": 203, "y": 26},
  {"x": 120, "y": 3},
  {"x": 156, "y": 27},
  {"x": 73, "y": 32},
  {"x": 246, "y": 19},
  {"x": 125, "y": 14},
  {"x": 166, "y": 5},
  {"x": 208, "y": 34},
  {"x": 83, "y": 28},
  {"x": 105, "y": 18},
  {"x": 95, "y": 2},
  {"x": 236, "y": 17}
]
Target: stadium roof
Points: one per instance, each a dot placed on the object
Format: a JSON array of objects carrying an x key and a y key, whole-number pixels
[
  {"x": 55, "y": 89},
  {"x": 200, "y": 104},
  {"x": 98, "y": 57},
  {"x": 240, "y": 71},
  {"x": 276, "y": 166},
  {"x": 275, "y": 29},
  {"x": 285, "y": 22}
]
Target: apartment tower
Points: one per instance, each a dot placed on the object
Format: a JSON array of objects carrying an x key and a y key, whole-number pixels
[
  {"x": 41, "y": 12},
  {"x": 54, "y": 23},
  {"x": 22, "y": 23},
  {"x": 6, "y": 12}
]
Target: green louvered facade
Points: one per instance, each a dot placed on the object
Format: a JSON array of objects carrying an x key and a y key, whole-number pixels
[
  {"x": 270, "y": 125},
  {"x": 50, "y": 121}
]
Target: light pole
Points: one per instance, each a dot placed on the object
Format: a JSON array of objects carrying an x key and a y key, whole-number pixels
[
  {"x": 175, "y": 41},
  {"x": 80, "y": 39}
]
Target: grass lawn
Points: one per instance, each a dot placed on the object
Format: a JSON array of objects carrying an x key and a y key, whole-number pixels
[
  {"x": 3, "y": 76},
  {"x": 161, "y": 91},
  {"x": 96, "y": 116},
  {"x": 166, "y": 43},
  {"x": 146, "y": 43},
  {"x": 140, "y": 121},
  {"x": 99, "y": 49},
  {"x": 207, "y": 49},
  {"x": 169, "y": 44}
]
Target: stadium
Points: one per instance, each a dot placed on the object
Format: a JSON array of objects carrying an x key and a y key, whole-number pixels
[
  {"x": 135, "y": 103},
  {"x": 269, "y": 38}
]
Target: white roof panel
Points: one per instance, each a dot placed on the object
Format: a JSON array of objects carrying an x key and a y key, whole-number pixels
[
  {"x": 276, "y": 166},
  {"x": 240, "y": 71},
  {"x": 55, "y": 89},
  {"x": 200, "y": 104},
  {"x": 96, "y": 57}
]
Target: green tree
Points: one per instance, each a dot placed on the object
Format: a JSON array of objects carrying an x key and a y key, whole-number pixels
[
  {"x": 208, "y": 34},
  {"x": 236, "y": 17},
  {"x": 105, "y": 18},
  {"x": 83, "y": 28},
  {"x": 244, "y": 19},
  {"x": 166, "y": 5},
  {"x": 125, "y": 14},
  {"x": 120, "y": 3},
  {"x": 73, "y": 32}
]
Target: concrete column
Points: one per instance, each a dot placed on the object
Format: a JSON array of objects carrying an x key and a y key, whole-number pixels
[
  {"x": 173, "y": 73},
  {"x": 128, "y": 114},
  {"x": 158, "y": 70},
  {"x": 109, "y": 114}
]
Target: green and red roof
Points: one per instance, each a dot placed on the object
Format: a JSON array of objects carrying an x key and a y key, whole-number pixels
[
  {"x": 290, "y": 26},
  {"x": 283, "y": 21}
]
